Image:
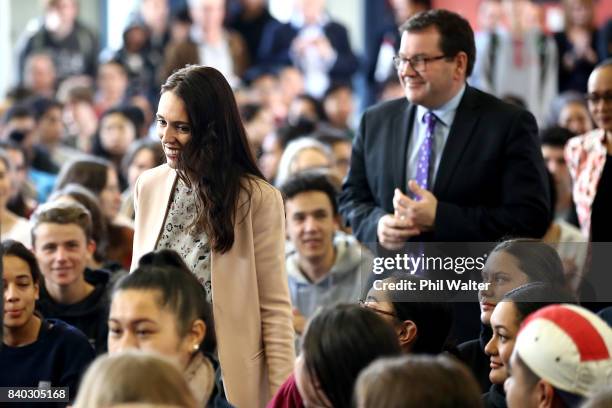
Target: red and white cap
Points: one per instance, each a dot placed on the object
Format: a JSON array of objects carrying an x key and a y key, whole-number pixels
[{"x": 569, "y": 347}]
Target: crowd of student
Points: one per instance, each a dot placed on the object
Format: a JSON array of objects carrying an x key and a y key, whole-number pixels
[{"x": 78, "y": 131}]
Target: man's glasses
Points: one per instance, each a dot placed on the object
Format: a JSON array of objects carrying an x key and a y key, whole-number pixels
[
  {"x": 418, "y": 62},
  {"x": 595, "y": 97}
]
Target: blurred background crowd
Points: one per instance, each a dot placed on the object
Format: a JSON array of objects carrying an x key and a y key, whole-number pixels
[
  {"x": 79, "y": 87},
  {"x": 299, "y": 81}
]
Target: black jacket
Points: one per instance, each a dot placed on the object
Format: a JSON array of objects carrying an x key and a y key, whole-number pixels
[
  {"x": 473, "y": 355},
  {"x": 89, "y": 315}
]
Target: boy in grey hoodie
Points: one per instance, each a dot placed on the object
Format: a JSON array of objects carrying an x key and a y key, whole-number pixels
[{"x": 326, "y": 266}]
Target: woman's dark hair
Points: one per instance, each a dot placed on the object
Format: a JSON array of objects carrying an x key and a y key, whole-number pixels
[
  {"x": 98, "y": 223},
  {"x": 217, "y": 159},
  {"x": 538, "y": 260},
  {"x": 141, "y": 144},
  {"x": 15, "y": 248},
  {"x": 181, "y": 293},
  {"x": 534, "y": 296},
  {"x": 417, "y": 381},
  {"x": 339, "y": 342},
  {"x": 90, "y": 172},
  {"x": 456, "y": 34}
]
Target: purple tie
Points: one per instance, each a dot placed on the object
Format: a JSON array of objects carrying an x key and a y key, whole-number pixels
[{"x": 422, "y": 174}]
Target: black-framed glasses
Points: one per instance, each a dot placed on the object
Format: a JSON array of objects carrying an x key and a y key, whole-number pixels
[
  {"x": 418, "y": 62},
  {"x": 363, "y": 304},
  {"x": 595, "y": 97}
]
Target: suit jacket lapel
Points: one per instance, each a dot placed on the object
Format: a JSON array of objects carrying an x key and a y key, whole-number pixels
[
  {"x": 460, "y": 133},
  {"x": 401, "y": 133},
  {"x": 161, "y": 200}
]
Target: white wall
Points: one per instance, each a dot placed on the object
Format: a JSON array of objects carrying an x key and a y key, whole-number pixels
[
  {"x": 5, "y": 47},
  {"x": 118, "y": 12},
  {"x": 349, "y": 13}
]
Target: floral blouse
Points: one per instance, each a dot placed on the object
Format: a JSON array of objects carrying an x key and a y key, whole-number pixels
[
  {"x": 586, "y": 156},
  {"x": 192, "y": 246}
]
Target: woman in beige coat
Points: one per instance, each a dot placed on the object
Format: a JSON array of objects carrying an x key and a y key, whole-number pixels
[{"x": 211, "y": 204}]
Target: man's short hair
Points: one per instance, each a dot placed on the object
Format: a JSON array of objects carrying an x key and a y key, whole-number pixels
[
  {"x": 555, "y": 136},
  {"x": 62, "y": 213},
  {"x": 311, "y": 180},
  {"x": 456, "y": 34}
]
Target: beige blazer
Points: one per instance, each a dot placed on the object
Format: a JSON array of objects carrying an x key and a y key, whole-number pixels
[{"x": 251, "y": 304}]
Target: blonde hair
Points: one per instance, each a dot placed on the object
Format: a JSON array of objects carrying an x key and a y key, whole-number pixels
[{"x": 133, "y": 376}]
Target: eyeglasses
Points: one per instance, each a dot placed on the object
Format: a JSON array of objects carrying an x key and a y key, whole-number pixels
[
  {"x": 418, "y": 62},
  {"x": 595, "y": 97},
  {"x": 363, "y": 304}
]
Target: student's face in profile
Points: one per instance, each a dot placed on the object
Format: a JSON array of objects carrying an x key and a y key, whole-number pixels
[
  {"x": 62, "y": 252},
  {"x": 503, "y": 274},
  {"x": 138, "y": 321},
  {"x": 505, "y": 325},
  {"x": 519, "y": 393},
  {"x": 173, "y": 127},
  {"x": 20, "y": 292},
  {"x": 309, "y": 387}
]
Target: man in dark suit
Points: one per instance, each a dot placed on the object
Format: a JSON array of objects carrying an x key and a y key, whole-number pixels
[{"x": 448, "y": 163}]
